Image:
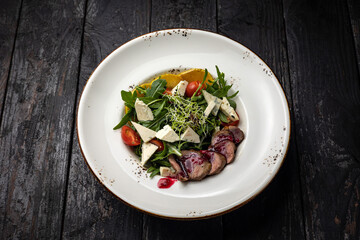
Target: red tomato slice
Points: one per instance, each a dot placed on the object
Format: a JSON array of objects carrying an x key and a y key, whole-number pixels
[
  {"x": 191, "y": 88},
  {"x": 158, "y": 143},
  {"x": 129, "y": 136}
]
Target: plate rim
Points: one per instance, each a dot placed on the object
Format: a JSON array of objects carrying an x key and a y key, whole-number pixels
[{"x": 186, "y": 218}]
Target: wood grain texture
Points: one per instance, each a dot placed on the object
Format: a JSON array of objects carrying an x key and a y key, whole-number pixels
[
  {"x": 157, "y": 228},
  {"x": 188, "y": 14},
  {"x": 277, "y": 212},
  {"x": 91, "y": 211},
  {"x": 354, "y": 14},
  {"x": 326, "y": 99},
  {"x": 37, "y": 119},
  {"x": 9, "y": 16},
  {"x": 183, "y": 14}
]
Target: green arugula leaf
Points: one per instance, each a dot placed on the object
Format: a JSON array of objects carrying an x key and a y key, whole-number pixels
[
  {"x": 157, "y": 123},
  {"x": 155, "y": 105},
  {"x": 156, "y": 89},
  {"x": 138, "y": 150},
  {"x": 161, "y": 107},
  {"x": 128, "y": 105},
  {"x": 223, "y": 117},
  {"x": 232, "y": 103},
  {"x": 221, "y": 78},
  {"x": 232, "y": 96},
  {"x": 151, "y": 169},
  {"x": 125, "y": 119},
  {"x": 148, "y": 100},
  {"x": 197, "y": 98},
  {"x": 155, "y": 172},
  {"x": 222, "y": 92},
  {"x": 129, "y": 97},
  {"x": 153, "y": 102},
  {"x": 161, "y": 155},
  {"x": 164, "y": 163},
  {"x": 174, "y": 150}
]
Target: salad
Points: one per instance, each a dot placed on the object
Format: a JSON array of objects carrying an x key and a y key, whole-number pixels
[{"x": 182, "y": 126}]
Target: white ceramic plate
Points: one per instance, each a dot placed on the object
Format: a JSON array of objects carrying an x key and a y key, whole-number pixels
[{"x": 262, "y": 107}]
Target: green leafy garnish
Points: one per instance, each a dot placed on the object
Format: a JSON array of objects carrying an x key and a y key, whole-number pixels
[
  {"x": 174, "y": 150},
  {"x": 125, "y": 119},
  {"x": 223, "y": 117},
  {"x": 129, "y": 98},
  {"x": 156, "y": 89},
  {"x": 219, "y": 88}
]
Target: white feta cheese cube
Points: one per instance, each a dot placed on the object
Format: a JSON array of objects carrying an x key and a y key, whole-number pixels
[
  {"x": 180, "y": 88},
  {"x": 166, "y": 172},
  {"x": 209, "y": 98},
  {"x": 217, "y": 102},
  {"x": 148, "y": 149},
  {"x": 167, "y": 134},
  {"x": 209, "y": 108},
  {"x": 228, "y": 110},
  {"x": 190, "y": 136},
  {"x": 145, "y": 133},
  {"x": 143, "y": 112}
]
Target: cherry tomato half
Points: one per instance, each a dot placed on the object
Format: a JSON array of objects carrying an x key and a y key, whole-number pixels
[
  {"x": 167, "y": 91},
  {"x": 158, "y": 143},
  {"x": 129, "y": 136},
  {"x": 231, "y": 123},
  {"x": 191, "y": 88}
]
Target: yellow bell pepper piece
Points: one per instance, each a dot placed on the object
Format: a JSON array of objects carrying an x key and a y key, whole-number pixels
[
  {"x": 171, "y": 79},
  {"x": 196, "y": 74}
]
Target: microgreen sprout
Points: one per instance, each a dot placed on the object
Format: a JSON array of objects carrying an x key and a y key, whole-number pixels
[{"x": 183, "y": 113}]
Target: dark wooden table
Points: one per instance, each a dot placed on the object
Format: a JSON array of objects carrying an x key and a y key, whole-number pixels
[{"x": 48, "y": 49}]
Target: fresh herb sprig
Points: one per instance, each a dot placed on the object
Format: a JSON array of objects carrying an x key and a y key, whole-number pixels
[{"x": 220, "y": 89}]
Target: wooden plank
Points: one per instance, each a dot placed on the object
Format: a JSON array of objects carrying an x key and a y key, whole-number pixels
[
  {"x": 183, "y": 14},
  {"x": 326, "y": 100},
  {"x": 277, "y": 212},
  {"x": 190, "y": 14},
  {"x": 9, "y": 16},
  {"x": 157, "y": 228},
  {"x": 354, "y": 12},
  {"x": 91, "y": 211},
  {"x": 38, "y": 119}
]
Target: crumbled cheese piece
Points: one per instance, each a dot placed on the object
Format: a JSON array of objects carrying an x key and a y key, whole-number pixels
[
  {"x": 190, "y": 136},
  {"x": 145, "y": 133},
  {"x": 209, "y": 108},
  {"x": 148, "y": 149},
  {"x": 143, "y": 112},
  {"x": 217, "y": 102},
  {"x": 167, "y": 134},
  {"x": 209, "y": 98},
  {"x": 228, "y": 110},
  {"x": 166, "y": 172},
  {"x": 180, "y": 88}
]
